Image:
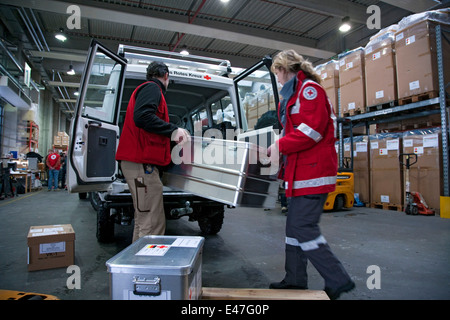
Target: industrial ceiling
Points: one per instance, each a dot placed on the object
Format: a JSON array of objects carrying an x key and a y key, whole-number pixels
[{"x": 242, "y": 31}]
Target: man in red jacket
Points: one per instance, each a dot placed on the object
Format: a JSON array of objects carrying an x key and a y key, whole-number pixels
[
  {"x": 53, "y": 162},
  {"x": 307, "y": 144},
  {"x": 144, "y": 147}
]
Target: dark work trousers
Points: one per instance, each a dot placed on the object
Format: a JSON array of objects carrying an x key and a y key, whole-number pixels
[{"x": 305, "y": 242}]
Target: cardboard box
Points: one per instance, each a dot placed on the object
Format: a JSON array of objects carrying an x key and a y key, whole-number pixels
[
  {"x": 379, "y": 59},
  {"x": 57, "y": 140},
  {"x": 351, "y": 82},
  {"x": 425, "y": 175},
  {"x": 329, "y": 73},
  {"x": 416, "y": 59},
  {"x": 386, "y": 183},
  {"x": 51, "y": 246},
  {"x": 360, "y": 165}
]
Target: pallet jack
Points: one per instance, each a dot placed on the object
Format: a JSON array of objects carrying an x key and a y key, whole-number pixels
[{"x": 414, "y": 203}]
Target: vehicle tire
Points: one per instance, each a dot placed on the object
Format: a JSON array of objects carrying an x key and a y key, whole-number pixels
[
  {"x": 339, "y": 203},
  {"x": 211, "y": 220},
  {"x": 95, "y": 200},
  {"x": 82, "y": 195},
  {"x": 105, "y": 225}
]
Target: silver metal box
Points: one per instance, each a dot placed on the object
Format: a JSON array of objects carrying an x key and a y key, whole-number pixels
[
  {"x": 236, "y": 173},
  {"x": 158, "y": 268}
]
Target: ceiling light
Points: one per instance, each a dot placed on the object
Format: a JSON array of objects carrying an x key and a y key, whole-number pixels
[
  {"x": 60, "y": 35},
  {"x": 224, "y": 1},
  {"x": 71, "y": 72},
  {"x": 184, "y": 51},
  {"x": 76, "y": 93},
  {"x": 345, "y": 26}
]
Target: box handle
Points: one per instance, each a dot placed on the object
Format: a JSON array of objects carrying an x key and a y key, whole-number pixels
[{"x": 144, "y": 286}]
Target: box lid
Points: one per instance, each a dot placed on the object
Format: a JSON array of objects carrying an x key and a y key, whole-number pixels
[
  {"x": 165, "y": 255},
  {"x": 50, "y": 233}
]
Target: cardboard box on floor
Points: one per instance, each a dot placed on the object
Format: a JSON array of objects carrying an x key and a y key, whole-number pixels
[
  {"x": 385, "y": 171},
  {"x": 51, "y": 246},
  {"x": 425, "y": 175}
]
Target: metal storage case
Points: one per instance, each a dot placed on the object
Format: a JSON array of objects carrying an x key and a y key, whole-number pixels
[
  {"x": 159, "y": 268},
  {"x": 236, "y": 173}
]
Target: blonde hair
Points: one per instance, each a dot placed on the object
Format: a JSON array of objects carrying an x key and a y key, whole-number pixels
[{"x": 291, "y": 61}]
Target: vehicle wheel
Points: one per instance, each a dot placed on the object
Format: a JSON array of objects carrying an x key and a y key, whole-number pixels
[
  {"x": 105, "y": 225},
  {"x": 95, "y": 200},
  {"x": 414, "y": 210},
  {"x": 211, "y": 220},
  {"x": 82, "y": 195},
  {"x": 339, "y": 203}
]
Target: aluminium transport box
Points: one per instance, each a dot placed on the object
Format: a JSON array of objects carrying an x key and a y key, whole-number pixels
[
  {"x": 158, "y": 268},
  {"x": 235, "y": 173}
]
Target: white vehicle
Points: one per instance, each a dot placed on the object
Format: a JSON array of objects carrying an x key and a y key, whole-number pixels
[{"x": 201, "y": 95}]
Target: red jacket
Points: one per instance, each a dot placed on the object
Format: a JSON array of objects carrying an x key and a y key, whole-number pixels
[
  {"x": 140, "y": 146},
  {"x": 309, "y": 141}
]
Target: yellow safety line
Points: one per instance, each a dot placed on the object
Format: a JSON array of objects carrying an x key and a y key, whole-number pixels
[{"x": 20, "y": 198}]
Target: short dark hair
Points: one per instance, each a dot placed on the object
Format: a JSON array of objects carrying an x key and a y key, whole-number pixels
[{"x": 156, "y": 69}]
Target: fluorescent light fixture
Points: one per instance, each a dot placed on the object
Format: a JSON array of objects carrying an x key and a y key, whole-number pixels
[
  {"x": 224, "y": 1},
  {"x": 76, "y": 93},
  {"x": 345, "y": 26}
]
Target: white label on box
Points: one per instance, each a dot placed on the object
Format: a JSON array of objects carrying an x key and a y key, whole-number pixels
[
  {"x": 347, "y": 147},
  {"x": 431, "y": 141},
  {"x": 393, "y": 144},
  {"x": 383, "y": 152},
  {"x": 349, "y": 65},
  {"x": 414, "y": 85},
  {"x": 351, "y": 106},
  {"x": 374, "y": 145},
  {"x": 186, "y": 242},
  {"x": 376, "y": 55},
  {"x": 408, "y": 143},
  {"x": 368, "y": 50},
  {"x": 384, "y": 198},
  {"x": 379, "y": 94},
  {"x": 361, "y": 146},
  {"x": 52, "y": 247},
  {"x": 418, "y": 150},
  {"x": 410, "y": 40},
  {"x": 324, "y": 75},
  {"x": 399, "y": 37},
  {"x": 153, "y": 250},
  {"x": 342, "y": 62}
]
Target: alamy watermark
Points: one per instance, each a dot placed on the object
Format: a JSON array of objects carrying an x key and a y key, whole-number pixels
[{"x": 374, "y": 21}]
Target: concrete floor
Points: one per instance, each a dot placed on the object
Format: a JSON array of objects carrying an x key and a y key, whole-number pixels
[{"x": 412, "y": 252}]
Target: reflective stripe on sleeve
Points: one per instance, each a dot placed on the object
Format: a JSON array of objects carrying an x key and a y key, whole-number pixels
[{"x": 310, "y": 132}]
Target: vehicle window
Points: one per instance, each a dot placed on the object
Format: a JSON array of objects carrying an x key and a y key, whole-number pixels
[
  {"x": 257, "y": 97},
  {"x": 102, "y": 89},
  {"x": 200, "y": 120},
  {"x": 222, "y": 111}
]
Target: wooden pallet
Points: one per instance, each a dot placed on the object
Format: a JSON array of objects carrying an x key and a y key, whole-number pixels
[
  {"x": 353, "y": 112},
  {"x": 386, "y": 206},
  {"x": 261, "y": 294},
  {"x": 418, "y": 97}
]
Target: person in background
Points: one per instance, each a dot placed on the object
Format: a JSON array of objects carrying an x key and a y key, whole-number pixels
[
  {"x": 53, "y": 163},
  {"x": 144, "y": 148},
  {"x": 62, "y": 172},
  {"x": 310, "y": 171}
]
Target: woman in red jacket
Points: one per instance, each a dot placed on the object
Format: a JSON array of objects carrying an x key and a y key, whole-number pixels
[{"x": 307, "y": 144}]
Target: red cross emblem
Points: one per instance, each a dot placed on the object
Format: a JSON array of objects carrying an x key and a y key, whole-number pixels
[
  {"x": 207, "y": 77},
  {"x": 310, "y": 93}
]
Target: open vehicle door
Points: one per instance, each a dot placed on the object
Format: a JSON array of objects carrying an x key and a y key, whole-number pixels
[
  {"x": 94, "y": 129},
  {"x": 257, "y": 92}
]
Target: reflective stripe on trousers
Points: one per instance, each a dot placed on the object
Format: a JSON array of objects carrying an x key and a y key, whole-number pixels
[{"x": 306, "y": 246}]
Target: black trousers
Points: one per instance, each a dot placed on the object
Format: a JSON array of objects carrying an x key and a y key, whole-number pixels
[{"x": 304, "y": 242}]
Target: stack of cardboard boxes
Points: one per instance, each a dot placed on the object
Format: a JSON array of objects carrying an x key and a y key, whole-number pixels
[
  {"x": 256, "y": 104},
  {"x": 329, "y": 73},
  {"x": 61, "y": 140}
]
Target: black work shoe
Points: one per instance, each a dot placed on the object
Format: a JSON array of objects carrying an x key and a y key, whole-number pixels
[
  {"x": 284, "y": 285},
  {"x": 335, "y": 294}
]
